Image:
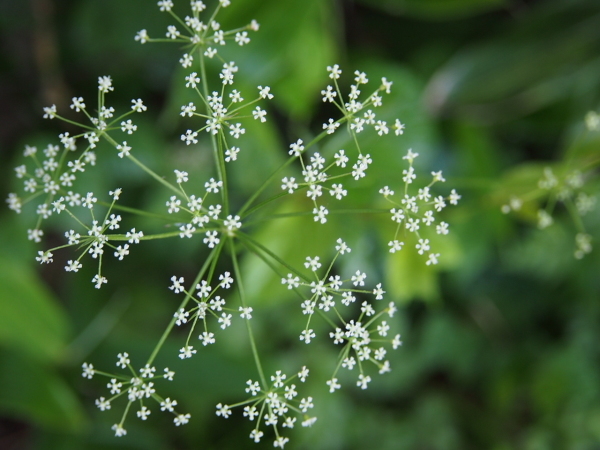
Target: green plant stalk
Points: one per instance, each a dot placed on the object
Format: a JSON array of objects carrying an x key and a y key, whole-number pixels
[{"x": 238, "y": 276}]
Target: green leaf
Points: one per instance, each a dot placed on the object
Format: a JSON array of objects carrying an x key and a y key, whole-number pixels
[
  {"x": 513, "y": 74},
  {"x": 35, "y": 392},
  {"x": 290, "y": 52},
  {"x": 31, "y": 321},
  {"x": 282, "y": 237}
]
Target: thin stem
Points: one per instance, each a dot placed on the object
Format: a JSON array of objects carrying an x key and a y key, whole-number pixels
[
  {"x": 245, "y": 238},
  {"x": 214, "y": 254},
  {"x": 274, "y": 174},
  {"x": 153, "y": 174},
  {"x": 238, "y": 276}
]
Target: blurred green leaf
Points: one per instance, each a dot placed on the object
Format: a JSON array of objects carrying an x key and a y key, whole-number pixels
[
  {"x": 281, "y": 237},
  {"x": 513, "y": 73},
  {"x": 436, "y": 9},
  {"x": 295, "y": 44},
  {"x": 31, "y": 320},
  {"x": 33, "y": 391}
]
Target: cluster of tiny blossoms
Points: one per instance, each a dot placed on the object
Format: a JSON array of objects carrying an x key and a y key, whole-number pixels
[
  {"x": 219, "y": 116},
  {"x": 275, "y": 405},
  {"x": 51, "y": 174},
  {"x": 416, "y": 213},
  {"x": 208, "y": 303},
  {"x": 362, "y": 335},
  {"x": 202, "y": 215},
  {"x": 137, "y": 386},
  {"x": 204, "y": 37},
  {"x": 363, "y": 338},
  {"x": 357, "y": 114},
  {"x": 566, "y": 190},
  {"x": 95, "y": 237}
]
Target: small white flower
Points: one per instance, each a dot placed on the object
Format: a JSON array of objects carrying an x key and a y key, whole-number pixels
[
  {"x": 363, "y": 381},
  {"x": 333, "y": 384},
  {"x": 331, "y": 126},
  {"x": 259, "y": 114},
  {"x": 307, "y": 335},
  {"x": 186, "y": 352},
  {"x": 190, "y": 137},
  {"x": 181, "y": 419},
  {"x": 119, "y": 430},
  {"x": 334, "y": 71},
  {"x": 223, "y": 411},
  {"x": 123, "y": 360}
]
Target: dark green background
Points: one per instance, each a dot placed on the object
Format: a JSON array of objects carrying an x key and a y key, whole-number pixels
[{"x": 501, "y": 345}]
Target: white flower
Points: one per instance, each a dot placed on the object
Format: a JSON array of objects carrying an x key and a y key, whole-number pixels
[
  {"x": 265, "y": 92},
  {"x": 223, "y": 411},
  {"x": 123, "y": 360},
  {"x": 231, "y": 154},
  {"x": 138, "y": 105},
  {"x": 331, "y": 126},
  {"x": 307, "y": 335},
  {"x": 119, "y": 430},
  {"x": 186, "y": 60},
  {"x": 207, "y": 338},
  {"x": 225, "y": 280},
  {"x": 128, "y": 127},
  {"x": 358, "y": 279},
  {"x": 88, "y": 371},
  {"x": 177, "y": 285},
  {"x": 296, "y": 148},
  {"x": 303, "y": 374},
  {"x": 333, "y": 384},
  {"x": 50, "y": 112},
  {"x": 433, "y": 258},
  {"x": 190, "y": 137},
  {"x": 246, "y": 313},
  {"x": 168, "y": 405},
  {"x": 363, "y": 381},
  {"x": 77, "y": 104},
  {"x": 181, "y": 419},
  {"x": 105, "y": 84},
  {"x": 334, "y": 71},
  {"x": 320, "y": 214},
  {"x": 259, "y": 114},
  {"x": 454, "y": 197},
  {"x": 186, "y": 352}
]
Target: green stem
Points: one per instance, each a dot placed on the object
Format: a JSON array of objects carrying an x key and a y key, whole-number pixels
[
  {"x": 274, "y": 174},
  {"x": 247, "y": 239},
  {"x": 238, "y": 276},
  {"x": 214, "y": 254},
  {"x": 270, "y": 264},
  {"x": 153, "y": 174}
]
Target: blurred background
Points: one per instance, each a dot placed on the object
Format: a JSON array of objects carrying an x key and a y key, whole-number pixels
[{"x": 501, "y": 341}]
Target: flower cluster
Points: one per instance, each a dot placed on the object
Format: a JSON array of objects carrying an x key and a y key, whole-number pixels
[
  {"x": 564, "y": 189},
  {"x": 220, "y": 117},
  {"x": 94, "y": 237},
  {"x": 137, "y": 387},
  {"x": 416, "y": 213},
  {"x": 358, "y": 326},
  {"x": 275, "y": 405},
  {"x": 202, "y": 215},
  {"x": 57, "y": 167},
  {"x": 352, "y": 108},
  {"x": 361, "y": 338},
  {"x": 316, "y": 174},
  {"x": 199, "y": 36},
  {"x": 207, "y": 303}
]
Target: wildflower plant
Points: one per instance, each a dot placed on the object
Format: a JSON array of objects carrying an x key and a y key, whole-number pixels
[
  {"x": 568, "y": 186},
  {"x": 354, "y": 307}
]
